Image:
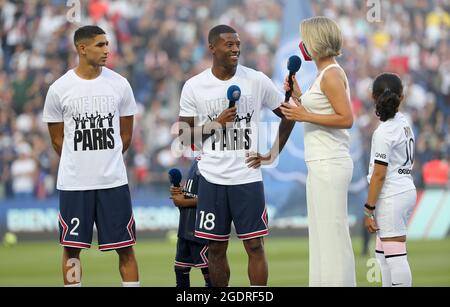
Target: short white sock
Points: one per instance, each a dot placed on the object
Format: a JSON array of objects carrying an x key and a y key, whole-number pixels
[
  {"x": 134, "y": 284},
  {"x": 73, "y": 285}
]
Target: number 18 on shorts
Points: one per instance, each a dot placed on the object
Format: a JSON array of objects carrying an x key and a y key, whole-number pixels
[{"x": 219, "y": 205}]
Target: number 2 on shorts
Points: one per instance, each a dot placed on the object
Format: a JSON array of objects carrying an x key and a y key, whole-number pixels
[{"x": 77, "y": 222}]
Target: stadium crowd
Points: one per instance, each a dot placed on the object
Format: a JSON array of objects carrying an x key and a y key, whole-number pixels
[{"x": 157, "y": 45}]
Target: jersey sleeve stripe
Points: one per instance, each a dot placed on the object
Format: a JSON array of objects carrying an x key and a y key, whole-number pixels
[{"x": 381, "y": 162}]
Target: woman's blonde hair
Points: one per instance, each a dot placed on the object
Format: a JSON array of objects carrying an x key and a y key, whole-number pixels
[{"x": 322, "y": 37}]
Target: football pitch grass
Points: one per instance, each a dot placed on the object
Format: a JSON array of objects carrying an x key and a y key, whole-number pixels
[{"x": 39, "y": 264}]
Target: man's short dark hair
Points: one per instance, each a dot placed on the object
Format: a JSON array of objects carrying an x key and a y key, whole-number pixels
[
  {"x": 87, "y": 32},
  {"x": 215, "y": 33}
]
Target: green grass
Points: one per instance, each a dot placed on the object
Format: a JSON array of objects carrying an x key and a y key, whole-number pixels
[{"x": 38, "y": 264}]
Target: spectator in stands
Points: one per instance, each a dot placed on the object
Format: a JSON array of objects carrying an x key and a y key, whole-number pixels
[{"x": 23, "y": 172}]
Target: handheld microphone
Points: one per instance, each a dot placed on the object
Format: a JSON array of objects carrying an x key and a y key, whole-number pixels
[
  {"x": 293, "y": 66},
  {"x": 233, "y": 94},
  {"x": 175, "y": 177}
]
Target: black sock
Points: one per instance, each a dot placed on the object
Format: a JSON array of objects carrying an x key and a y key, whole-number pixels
[
  {"x": 183, "y": 280},
  {"x": 205, "y": 273}
]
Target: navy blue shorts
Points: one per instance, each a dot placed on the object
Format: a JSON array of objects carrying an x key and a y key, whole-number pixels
[
  {"x": 109, "y": 209},
  {"x": 191, "y": 254},
  {"x": 219, "y": 205}
]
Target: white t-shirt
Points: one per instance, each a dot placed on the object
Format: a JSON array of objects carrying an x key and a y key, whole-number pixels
[
  {"x": 90, "y": 109},
  {"x": 322, "y": 142},
  {"x": 205, "y": 97},
  {"x": 393, "y": 146}
]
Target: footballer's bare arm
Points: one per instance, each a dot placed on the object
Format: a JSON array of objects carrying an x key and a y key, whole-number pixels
[
  {"x": 57, "y": 135},
  {"x": 126, "y": 131}
]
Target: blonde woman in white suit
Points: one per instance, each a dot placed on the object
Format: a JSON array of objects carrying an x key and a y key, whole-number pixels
[{"x": 325, "y": 109}]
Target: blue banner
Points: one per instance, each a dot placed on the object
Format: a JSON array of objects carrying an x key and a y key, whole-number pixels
[{"x": 153, "y": 211}]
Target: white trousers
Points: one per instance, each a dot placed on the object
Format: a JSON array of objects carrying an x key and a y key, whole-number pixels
[{"x": 331, "y": 258}]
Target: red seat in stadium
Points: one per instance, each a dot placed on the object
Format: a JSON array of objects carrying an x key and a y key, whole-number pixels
[{"x": 435, "y": 173}]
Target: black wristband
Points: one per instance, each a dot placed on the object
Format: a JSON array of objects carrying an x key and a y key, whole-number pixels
[{"x": 369, "y": 207}]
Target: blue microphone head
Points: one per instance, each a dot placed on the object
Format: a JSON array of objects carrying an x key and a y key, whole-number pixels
[
  {"x": 294, "y": 63},
  {"x": 234, "y": 93},
  {"x": 175, "y": 177}
]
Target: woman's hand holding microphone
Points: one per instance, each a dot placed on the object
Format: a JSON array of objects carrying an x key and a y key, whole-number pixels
[{"x": 293, "y": 110}]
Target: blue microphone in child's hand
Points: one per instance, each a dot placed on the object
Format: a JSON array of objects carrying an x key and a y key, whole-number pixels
[
  {"x": 175, "y": 177},
  {"x": 293, "y": 66},
  {"x": 233, "y": 94}
]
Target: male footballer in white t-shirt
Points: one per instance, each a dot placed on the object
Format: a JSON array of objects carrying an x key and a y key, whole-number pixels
[
  {"x": 90, "y": 112},
  {"x": 230, "y": 186}
]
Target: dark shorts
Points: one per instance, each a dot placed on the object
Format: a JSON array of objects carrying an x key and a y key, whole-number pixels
[
  {"x": 111, "y": 212},
  {"x": 191, "y": 254},
  {"x": 219, "y": 205}
]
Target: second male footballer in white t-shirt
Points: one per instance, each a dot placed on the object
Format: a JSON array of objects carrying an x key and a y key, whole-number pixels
[{"x": 230, "y": 186}]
